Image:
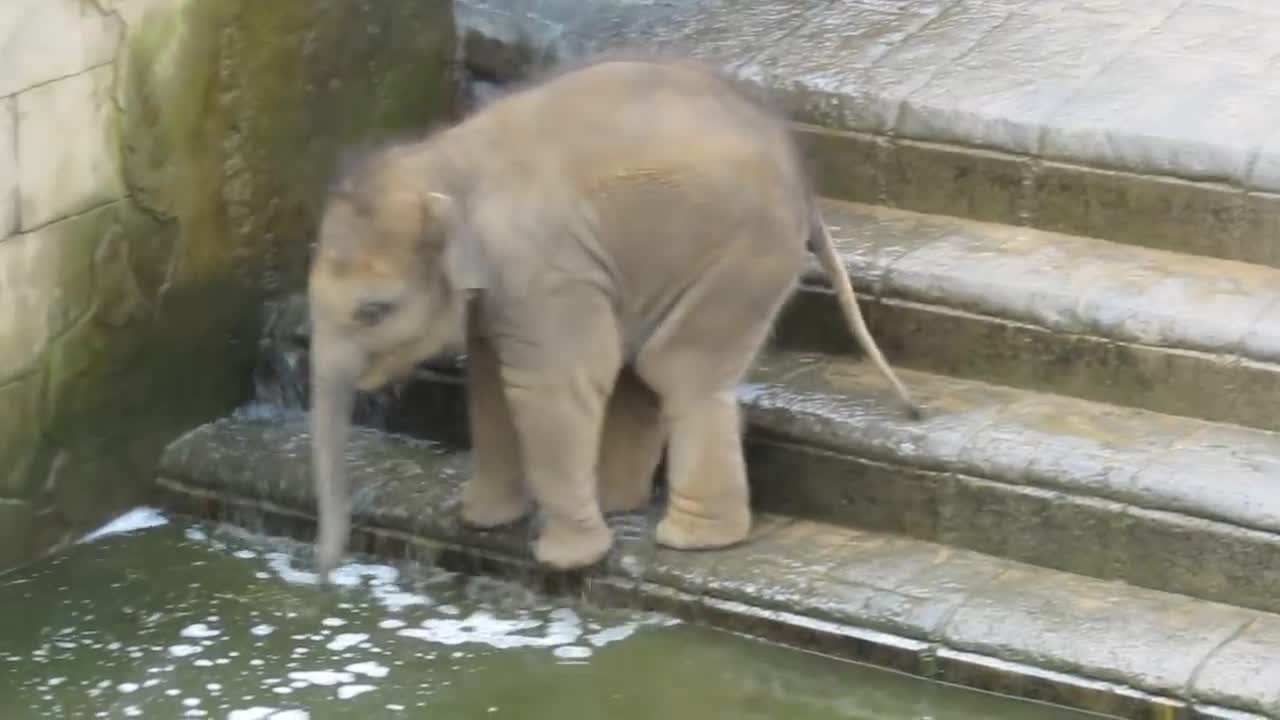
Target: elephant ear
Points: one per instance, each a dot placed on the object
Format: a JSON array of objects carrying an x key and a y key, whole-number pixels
[{"x": 464, "y": 261}]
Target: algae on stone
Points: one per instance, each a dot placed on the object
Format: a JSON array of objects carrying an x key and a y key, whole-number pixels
[{"x": 227, "y": 119}]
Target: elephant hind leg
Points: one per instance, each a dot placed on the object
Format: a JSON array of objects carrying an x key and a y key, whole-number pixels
[
  {"x": 631, "y": 445},
  {"x": 695, "y": 362}
]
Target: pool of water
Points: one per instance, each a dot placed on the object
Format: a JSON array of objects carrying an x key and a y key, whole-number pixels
[{"x": 163, "y": 618}]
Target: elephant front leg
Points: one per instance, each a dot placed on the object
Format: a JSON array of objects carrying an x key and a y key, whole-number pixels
[
  {"x": 631, "y": 445},
  {"x": 495, "y": 492},
  {"x": 709, "y": 500},
  {"x": 558, "y": 419}
]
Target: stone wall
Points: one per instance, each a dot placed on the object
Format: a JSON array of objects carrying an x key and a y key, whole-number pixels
[{"x": 160, "y": 169}]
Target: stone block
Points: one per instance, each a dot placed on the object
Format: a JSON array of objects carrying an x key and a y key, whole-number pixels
[
  {"x": 1154, "y": 641},
  {"x": 1001, "y": 93},
  {"x": 1210, "y": 128},
  {"x": 850, "y": 66},
  {"x": 1245, "y": 673},
  {"x": 45, "y": 286},
  {"x": 8, "y": 168},
  {"x": 68, "y": 154},
  {"x": 44, "y": 40}
]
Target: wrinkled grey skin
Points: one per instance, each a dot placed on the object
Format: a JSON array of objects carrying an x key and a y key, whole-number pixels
[{"x": 611, "y": 246}]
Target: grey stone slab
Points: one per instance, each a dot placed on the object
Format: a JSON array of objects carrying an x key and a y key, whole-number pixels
[
  {"x": 821, "y": 404},
  {"x": 898, "y": 585},
  {"x": 1220, "y": 473},
  {"x": 398, "y": 482},
  {"x": 851, "y": 64},
  {"x": 1087, "y": 286},
  {"x": 1210, "y": 126},
  {"x": 1002, "y": 92},
  {"x": 1150, "y": 640},
  {"x": 1245, "y": 672},
  {"x": 1222, "y": 33}
]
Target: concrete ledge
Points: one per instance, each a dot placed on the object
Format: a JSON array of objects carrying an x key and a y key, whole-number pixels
[
  {"x": 1076, "y": 316},
  {"x": 911, "y": 605},
  {"x": 1001, "y": 110}
]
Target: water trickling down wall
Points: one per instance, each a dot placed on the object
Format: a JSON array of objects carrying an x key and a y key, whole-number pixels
[{"x": 161, "y": 163}]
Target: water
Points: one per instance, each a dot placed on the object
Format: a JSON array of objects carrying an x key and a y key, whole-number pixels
[{"x": 155, "y": 618}]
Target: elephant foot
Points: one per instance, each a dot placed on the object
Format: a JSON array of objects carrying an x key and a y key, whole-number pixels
[
  {"x": 485, "y": 508},
  {"x": 683, "y": 530},
  {"x": 573, "y": 547}
]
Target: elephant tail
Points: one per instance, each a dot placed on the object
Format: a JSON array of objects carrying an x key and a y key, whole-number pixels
[{"x": 821, "y": 244}]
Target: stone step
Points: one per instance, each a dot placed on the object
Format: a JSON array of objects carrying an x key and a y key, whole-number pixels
[
  {"x": 1009, "y": 111},
  {"x": 1077, "y": 316},
  {"x": 1161, "y": 501},
  {"x": 940, "y": 612}
]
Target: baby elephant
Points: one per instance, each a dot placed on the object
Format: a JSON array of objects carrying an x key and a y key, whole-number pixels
[{"x": 611, "y": 246}]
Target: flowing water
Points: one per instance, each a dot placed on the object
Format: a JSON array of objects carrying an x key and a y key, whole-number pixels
[{"x": 156, "y": 617}]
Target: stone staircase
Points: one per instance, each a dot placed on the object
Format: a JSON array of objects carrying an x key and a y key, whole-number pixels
[{"x": 1064, "y": 224}]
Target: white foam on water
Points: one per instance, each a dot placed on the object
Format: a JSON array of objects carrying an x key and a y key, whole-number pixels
[
  {"x": 245, "y": 554},
  {"x": 346, "y": 692},
  {"x": 322, "y": 677},
  {"x": 291, "y": 715},
  {"x": 483, "y": 628},
  {"x": 262, "y": 629},
  {"x": 333, "y": 622},
  {"x": 136, "y": 519},
  {"x": 127, "y": 687},
  {"x": 572, "y": 652},
  {"x": 257, "y": 712},
  {"x": 133, "y": 711},
  {"x": 344, "y": 641},
  {"x": 281, "y": 565},
  {"x": 608, "y": 635},
  {"x": 370, "y": 668},
  {"x": 199, "y": 630},
  {"x": 392, "y": 624},
  {"x": 184, "y": 650}
]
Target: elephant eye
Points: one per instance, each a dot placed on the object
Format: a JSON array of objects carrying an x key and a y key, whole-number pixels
[{"x": 373, "y": 312}]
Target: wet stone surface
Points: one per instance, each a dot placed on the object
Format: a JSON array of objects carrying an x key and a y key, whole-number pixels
[
  {"x": 969, "y": 90},
  {"x": 794, "y": 575}
]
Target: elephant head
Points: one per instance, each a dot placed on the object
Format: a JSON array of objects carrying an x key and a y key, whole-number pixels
[{"x": 387, "y": 289}]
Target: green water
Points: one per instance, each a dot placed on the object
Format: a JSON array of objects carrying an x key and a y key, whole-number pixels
[{"x": 175, "y": 620}]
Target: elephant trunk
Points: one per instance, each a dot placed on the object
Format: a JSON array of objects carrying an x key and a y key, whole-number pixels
[{"x": 333, "y": 398}]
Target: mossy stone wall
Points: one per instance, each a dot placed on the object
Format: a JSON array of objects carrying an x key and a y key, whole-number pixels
[{"x": 160, "y": 177}]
